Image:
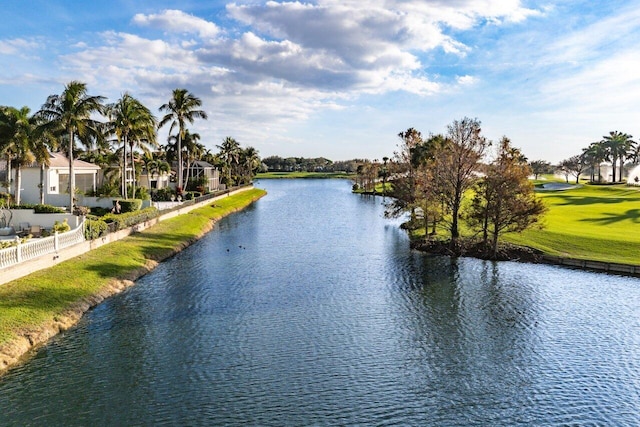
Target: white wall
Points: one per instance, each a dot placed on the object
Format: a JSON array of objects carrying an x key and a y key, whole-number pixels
[
  {"x": 30, "y": 192},
  {"x": 45, "y": 220}
]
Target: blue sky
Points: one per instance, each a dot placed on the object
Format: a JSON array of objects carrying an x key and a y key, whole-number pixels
[{"x": 341, "y": 78}]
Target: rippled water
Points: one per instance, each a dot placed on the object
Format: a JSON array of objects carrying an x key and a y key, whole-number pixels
[{"x": 309, "y": 309}]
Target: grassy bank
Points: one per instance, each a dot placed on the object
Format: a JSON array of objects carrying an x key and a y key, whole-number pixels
[
  {"x": 291, "y": 175},
  {"x": 591, "y": 222},
  {"x": 54, "y": 298}
]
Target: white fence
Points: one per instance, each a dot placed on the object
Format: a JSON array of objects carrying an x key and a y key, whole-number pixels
[{"x": 34, "y": 248}]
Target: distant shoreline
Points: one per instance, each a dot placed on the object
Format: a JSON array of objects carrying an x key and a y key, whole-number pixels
[{"x": 304, "y": 175}]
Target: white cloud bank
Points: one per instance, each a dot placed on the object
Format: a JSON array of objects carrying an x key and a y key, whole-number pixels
[{"x": 264, "y": 68}]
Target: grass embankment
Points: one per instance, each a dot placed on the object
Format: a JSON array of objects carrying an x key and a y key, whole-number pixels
[
  {"x": 592, "y": 222},
  {"x": 56, "y": 297},
  {"x": 291, "y": 175}
]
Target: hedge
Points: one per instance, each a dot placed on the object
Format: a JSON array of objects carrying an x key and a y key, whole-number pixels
[
  {"x": 94, "y": 228},
  {"x": 128, "y": 205},
  {"x": 124, "y": 220},
  {"x": 39, "y": 208}
]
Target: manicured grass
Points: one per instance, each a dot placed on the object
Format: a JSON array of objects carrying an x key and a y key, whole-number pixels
[
  {"x": 35, "y": 300},
  {"x": 591, "y": 222},
  {"x": 291, "y": 175}
]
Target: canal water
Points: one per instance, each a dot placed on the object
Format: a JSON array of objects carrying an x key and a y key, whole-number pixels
[{"x": 308, "y": 308}]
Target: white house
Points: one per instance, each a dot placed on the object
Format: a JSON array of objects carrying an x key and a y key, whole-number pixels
[
  {"x": 200, "y": 169},
  {"x": 55, "y": 180},
  {"x": 154, "y": 180}
]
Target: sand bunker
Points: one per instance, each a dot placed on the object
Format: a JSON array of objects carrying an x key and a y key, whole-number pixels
[{"x": 555, "y": 186}]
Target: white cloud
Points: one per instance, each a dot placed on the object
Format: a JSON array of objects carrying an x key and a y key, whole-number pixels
[
  {"x": 289, "y": 61},
  {"x": 176, "y": 21},
  {"x": 17, "y": 46},
  {"x": 466, "y": 80}
]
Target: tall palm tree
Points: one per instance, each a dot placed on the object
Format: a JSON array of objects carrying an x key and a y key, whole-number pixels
[
  {"x": 618, "y": 145},
  {"x": 193, "y": 150},
  {"x": 22, "y": 143},
  {"x": 180, "y": 109},
  {"x": 230, "y": 155},
  {"x": 71, "y": 113},
  {"x": 250, "y": 160},
  {"x": 189, "y": 148},
  {"x": 132, "y": 123},
  {"x": 42, "y": 143}
]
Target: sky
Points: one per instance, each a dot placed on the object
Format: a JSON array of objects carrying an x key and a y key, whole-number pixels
[{"x": 341, "y": 78}]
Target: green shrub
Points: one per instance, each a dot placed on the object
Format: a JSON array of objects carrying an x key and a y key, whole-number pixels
[
  {"x": 162, "y": 195},
  {"x": 141, "y": 192},
  {"x": 94, "y": 228},
  {"x": 62, "y": 227},
  {"x": 81, "y": 210},
  {"x": 128, "y": 219},
  {"x": 190, "y": 195},
  {"x": 197, "y": 184},
  {"x": 5, "y": 199},
  {"x": 128, "y": 205},
  {"x": 99, "y": 211}
]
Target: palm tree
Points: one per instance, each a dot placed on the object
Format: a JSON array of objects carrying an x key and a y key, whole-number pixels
[
  {"x": 180, "y": 109},
  {"x": 22, "y": 143},
  {"x": 132, "y": 123},
  {"x": 70, "y": 113},
  {"x": 595, "y": 154},
  {"x": 42, "y": 142},
  {"x": 618, "y": 145},
  {"x": 193, "y": 150},
  {"x": 190, "y": 148},
  {"x": 229, "y": 153},
  {"x": 251, "y": 162}
]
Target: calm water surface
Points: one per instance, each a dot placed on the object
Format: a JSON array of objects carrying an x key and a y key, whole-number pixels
[{"x": 309, "y": 309}]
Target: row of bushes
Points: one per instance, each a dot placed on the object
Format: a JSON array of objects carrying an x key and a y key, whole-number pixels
[
  {"x": 165, "y": 195},
  {"x": 38, "y": 208},
  {"x": 99, "y": 226}
]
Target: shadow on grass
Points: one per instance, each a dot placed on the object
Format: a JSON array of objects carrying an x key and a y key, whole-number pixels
[
  {"x": 41, "y": 300},
  {"x": 156, "y": 246},
  {"x": 632, "y": 215},
  {"x": 109, "y": 269},
  {"x": 584, "y": 200}
]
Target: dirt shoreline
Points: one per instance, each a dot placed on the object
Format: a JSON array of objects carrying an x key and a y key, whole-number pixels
[
  {"x": 509, "y": 252},
  {"x": 21, "y": 348}
]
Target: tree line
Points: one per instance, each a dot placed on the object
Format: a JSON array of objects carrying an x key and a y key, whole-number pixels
[
  {"x": 312, "y": 164},
  {"x": 616, "y": 148},
  {"x": 442, "y": 180},
  {"x": 117, "y": 136}
]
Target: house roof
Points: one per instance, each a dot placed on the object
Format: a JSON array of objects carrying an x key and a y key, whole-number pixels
[
  {"x": 202, "y": 164},
  {"x": 60, "y": 161}
]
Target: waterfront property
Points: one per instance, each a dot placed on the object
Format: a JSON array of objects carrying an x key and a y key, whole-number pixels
[{"x": 52, "y": 179}]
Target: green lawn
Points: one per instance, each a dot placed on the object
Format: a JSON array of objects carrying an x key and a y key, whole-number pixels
[
  {"x": 291, "y": 175},
  {"x": 29, "y": 303},
  {"x": 591, "y": 222}
]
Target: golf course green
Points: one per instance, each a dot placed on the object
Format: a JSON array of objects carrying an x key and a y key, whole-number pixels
[{"x": 594, "y": 222}]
